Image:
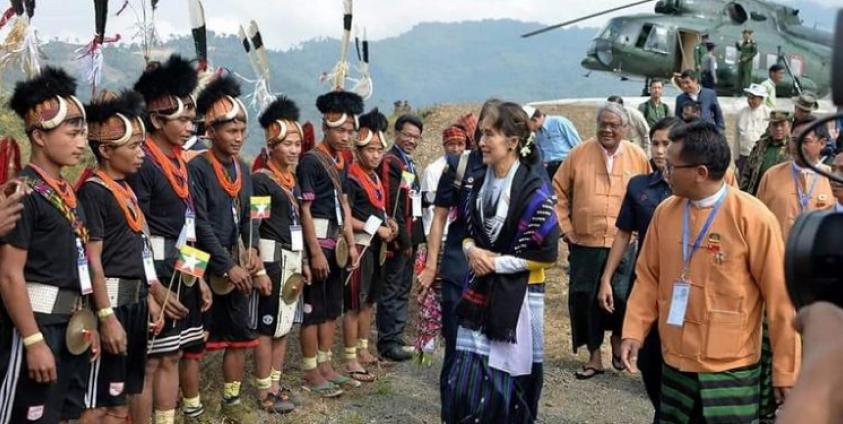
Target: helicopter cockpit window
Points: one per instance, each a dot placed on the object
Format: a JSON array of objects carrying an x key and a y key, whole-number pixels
[
  {"x": 621, "y": 32},
  {"x": 657, "y": 41}
]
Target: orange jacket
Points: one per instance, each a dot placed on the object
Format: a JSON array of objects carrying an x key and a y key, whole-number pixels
[
  {"x": 589, "y": 199},
  {"x": 736, "y": 274},
  {"x": 778, "y": 192}
]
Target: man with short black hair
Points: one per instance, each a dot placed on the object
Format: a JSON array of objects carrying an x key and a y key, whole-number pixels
[
  {"x": 555, "y": 136},
  {"x": 707, "y": 296},
  {"x": 692, "y": 92},
  {"x": 44, "y": 275},
  {"x": 404, "y": 203},
  {"x": 653, "y": 109},
  {"x": 776, "y": 74}
]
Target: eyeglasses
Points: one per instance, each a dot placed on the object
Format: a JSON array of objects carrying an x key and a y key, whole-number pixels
[
  {"x": 410, "y": 136},
  {"x": 669, "y": 167}
]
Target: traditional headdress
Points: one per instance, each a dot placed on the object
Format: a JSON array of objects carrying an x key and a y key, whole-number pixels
[
  {"x": 167, "y": 87},
  {"x": 338, "y": 106},
  {"x": 115, "y": 120},
  {"x": 280, "y": 118},
  {"x": 44, "y": 102},
  {"x": 372, "y": 127},
  {"x": 218, "y": 102}
]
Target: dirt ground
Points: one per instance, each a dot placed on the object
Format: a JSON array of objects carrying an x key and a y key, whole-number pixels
[{"x": 408, "y": 393}]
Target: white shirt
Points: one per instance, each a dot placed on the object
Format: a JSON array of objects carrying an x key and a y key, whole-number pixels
[
  {"x": 751, "y": 125},
  {"x": 429, "y": 183},
  {"x": 610, "y": 159},
  {"x": 710, "y": 200}
]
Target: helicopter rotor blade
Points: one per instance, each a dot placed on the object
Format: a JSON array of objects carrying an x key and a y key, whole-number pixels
[{"x": 593, "y": 15}]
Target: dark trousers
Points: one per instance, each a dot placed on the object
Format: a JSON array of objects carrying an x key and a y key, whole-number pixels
[
  {"x": 451, "y": 294},
  {"x": 393, "y": 306},
  {"x": 650, "y": 365}
]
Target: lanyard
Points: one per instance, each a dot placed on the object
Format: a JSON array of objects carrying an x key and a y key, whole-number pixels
[
  {"x": 803, "y": 198},
  {"x": 687, "y": 250},
  {"x": 406, "y": 159}
]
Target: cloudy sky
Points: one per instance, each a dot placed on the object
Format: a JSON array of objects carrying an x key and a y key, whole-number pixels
[{"x": 285, "y": 23}]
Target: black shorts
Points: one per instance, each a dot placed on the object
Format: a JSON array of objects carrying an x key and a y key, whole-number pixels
[
  {"x": 113, "y": 377},
  {"x": 186, "y": 334},
  {"x": 275, "y": 317},
  {"x": 231, "y": 321},
  {"x": 323, "y": 299},
  {"x": 22, "y": 399},
  {"x": 366, "y": 282}
]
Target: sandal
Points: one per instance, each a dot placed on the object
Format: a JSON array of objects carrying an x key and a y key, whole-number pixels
[
  {"x": 587, "y": 372},
  {"x": 341, "y": 380},
  {"x": 364, "y": 376},
  {"x": 617, "y": 363},
  {"x": 326, "y": 391}
]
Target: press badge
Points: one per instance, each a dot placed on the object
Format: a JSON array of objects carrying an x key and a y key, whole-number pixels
[
  {"x": 417, "y": 203},
  {"x": 372, "y": 225},
  {"x": 82, "y": 267},
  {"x": 296, "y": 238},
  {"x": 148, "y": 263},
  {"x": 190, "y": 225},
  {"x": 678, "y": 303}
]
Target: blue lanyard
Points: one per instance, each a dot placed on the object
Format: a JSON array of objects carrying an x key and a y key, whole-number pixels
[
  {"x": 804, "y": 198},
  {"x": 406, "y": 159},
  {"x": 687, "y": 250}
]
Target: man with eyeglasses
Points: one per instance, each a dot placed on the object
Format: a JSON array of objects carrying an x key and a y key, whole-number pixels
[
  {"x": 791, "y": 188},
  {"x": 404, "y": 204},
  {"x": 591, "y": 185},
  {"x": 711, "y": 264},
  {"x": 770, "y": 150}
]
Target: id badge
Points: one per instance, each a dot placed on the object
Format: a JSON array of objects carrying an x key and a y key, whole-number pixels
[
  {"x": 372, "y": 224},
  {"x": 190, "y": 225},
  {"x": 296, "y": 238},
  {"x": 84, "y": 270},
  {"x": 235, "y": 215},
  {"x": 149, "y": 263},
  {"x": 678, "y": 303},
  {"x": 417, "y": 203}
]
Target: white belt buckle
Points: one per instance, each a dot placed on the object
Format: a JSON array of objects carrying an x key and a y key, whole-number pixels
[{"x": 320, "y": 227}]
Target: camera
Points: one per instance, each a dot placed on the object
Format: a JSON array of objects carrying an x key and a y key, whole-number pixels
[{"x": 814, "y": 250}]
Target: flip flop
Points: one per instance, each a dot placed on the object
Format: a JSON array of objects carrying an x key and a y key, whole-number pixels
[
  {"x": 584, "y": 374},
  {"x": 325, "y": 391},
  {"x": 341, "y": 380},
  {"x": 617, "y": 363},
  {"x": 364, "y": 376}
]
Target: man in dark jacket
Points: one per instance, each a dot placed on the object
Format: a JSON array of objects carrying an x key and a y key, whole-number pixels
[
  {"x": 399, "y": 173},
  {"x": 693, "y": 92}
]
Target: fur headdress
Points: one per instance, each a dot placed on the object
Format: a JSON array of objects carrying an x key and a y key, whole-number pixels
[
  {"x": 167, "y": 87},
  {"x": 372, "y": 127},
  {"x": 218, "y": 101},
  {"x": 279, "y": 119},
  {"x": 115, "y": 119},
  {"x": 47, "y": 100},
  {"x": 338, "y": 106}
]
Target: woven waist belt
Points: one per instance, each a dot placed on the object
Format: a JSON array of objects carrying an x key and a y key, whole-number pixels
[
  {"x": 47, "y": 299},
  {"x": 123, "y": 291}
]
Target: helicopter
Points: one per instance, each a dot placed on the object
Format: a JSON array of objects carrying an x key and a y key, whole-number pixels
[{"x": 660, "y": 45}]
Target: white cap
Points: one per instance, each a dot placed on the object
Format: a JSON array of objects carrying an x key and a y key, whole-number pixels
[
  {"x": 756, "y": 90},
  {"x": 529, "y": 110}
]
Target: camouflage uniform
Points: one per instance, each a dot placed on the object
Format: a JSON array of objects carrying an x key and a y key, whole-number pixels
[{"x": 755, "y": 164}]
